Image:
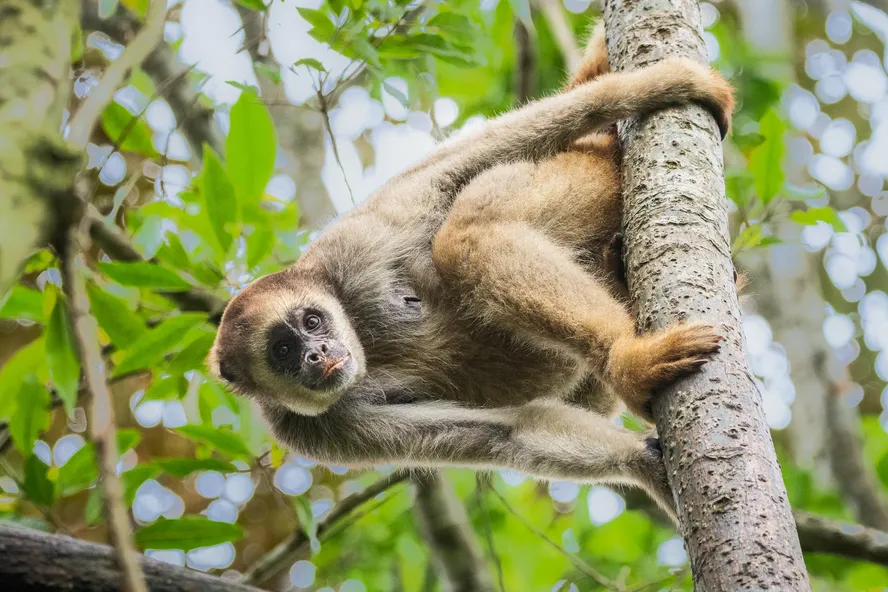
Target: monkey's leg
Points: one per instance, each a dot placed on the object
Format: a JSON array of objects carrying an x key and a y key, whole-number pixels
[
  {"x": 546, "y": 439},
  {"x": 512, "y": 276}
]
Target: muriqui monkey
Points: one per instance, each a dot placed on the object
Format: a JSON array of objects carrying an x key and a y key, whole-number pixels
[{"x": 469, "y": 314}]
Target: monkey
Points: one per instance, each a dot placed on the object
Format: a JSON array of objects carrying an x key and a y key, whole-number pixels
[{"x": 471, "y": 313}]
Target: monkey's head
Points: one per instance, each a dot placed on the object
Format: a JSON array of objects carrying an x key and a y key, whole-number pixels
[{"x": 286, "y": 338}]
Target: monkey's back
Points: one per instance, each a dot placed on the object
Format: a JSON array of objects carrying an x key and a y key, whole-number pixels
[{"x": 440, "y": 349}]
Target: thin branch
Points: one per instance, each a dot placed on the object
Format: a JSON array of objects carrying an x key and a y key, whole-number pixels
[
  {"x": 578, "y": 563},
  {"x": 482, "y": 483},
  {"x": 282, "y": 555},
  {"x": 87, "y": 116},
  {"x": 525, "y": 63},
  {"x": 325, "y": 112},
  {"x": 553, "y": 12},
  {"x": 34, "y": 560},
  {"x": 445, "y": 526},
  {"x": 823, "y": 535},
  {"x": 103, "y": 428}
]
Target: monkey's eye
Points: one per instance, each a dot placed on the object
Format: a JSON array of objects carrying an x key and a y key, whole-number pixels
[
  {"x": 412, "y": 300},
  {"x": 283, "y": 349},
  {"x": 312, "y": 322}
]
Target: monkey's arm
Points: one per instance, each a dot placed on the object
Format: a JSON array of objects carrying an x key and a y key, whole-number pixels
[
  {"x": 549, "y": 126},
  {"x": 546, "y": 439}
]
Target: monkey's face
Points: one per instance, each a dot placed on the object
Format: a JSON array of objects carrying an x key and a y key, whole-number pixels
[{"x": 284, "y": 338}]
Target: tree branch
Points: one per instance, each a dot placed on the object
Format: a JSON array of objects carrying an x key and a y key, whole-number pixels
[
  {"x": 103, "y": 428},
  {"x": 717, "y": 447},
  {"x": 823, "y": 535},
  {"x": 553, "y": 12},
  {"x": 87, "y": 116},
  {"x": 195, "y": 120},
  {"x": 282, "y": 556},
  {"x": 445, "y": 526},
  {"x": 34, "y": 560}
]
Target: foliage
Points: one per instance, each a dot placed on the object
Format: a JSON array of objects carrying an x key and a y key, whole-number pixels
[{"x": 224, "y": 227}]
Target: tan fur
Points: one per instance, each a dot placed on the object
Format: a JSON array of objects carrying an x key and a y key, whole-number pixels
[{"x": 523, "y": 344}]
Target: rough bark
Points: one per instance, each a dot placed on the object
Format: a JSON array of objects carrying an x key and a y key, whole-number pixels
[
  {"x": 36, "y": 167},
  {"x": 35, "y": 561},
  {"x": 721, "y": 463},
  {"x": 445, "y": 527}
]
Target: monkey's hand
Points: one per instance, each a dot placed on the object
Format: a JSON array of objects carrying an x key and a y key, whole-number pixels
[{"x": 639, "y": 366}]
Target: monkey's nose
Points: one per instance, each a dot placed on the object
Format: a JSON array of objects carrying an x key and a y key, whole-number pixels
[{"x": 316, "y": 355}]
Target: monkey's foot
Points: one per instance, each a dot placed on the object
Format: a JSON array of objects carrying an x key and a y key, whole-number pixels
[{"x": 639, "y": 366}]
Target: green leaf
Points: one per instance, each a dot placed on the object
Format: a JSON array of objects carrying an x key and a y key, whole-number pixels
[
  {"x": 747, "y": 142},
  {"x": 151, "y": 348},
  {"x": 227, "y": 443},
  {"x": 141, "y": 274},
  {"x": 37, "y": 485},
  {"x": 182, "y": 467},
  {"x": 798, "y": 193},
  {"x": 93, "y": 514},
  {"x": 310, "y": 63},
  {"x": 812, "y": 216},
  {"x": 127, "y": 438},
  {"x": 117, "y": 121},
  {"x": 80, "y": 472},
  {"x": 252, "y": 4},
  {"x": 115, "y": 316},
  {"x": 250, "y": 148},
  {"x": 307, "y": 523},
  {"x": 28, "y": 360},
  {"x": 194, "y": 355},
  {"x": 61, "y": 353},
  {"x": 219, "y": 198},
  {"x": 260, "y": 244},
  {"x": 107, "y": 8},
  {"x": 31, "y": 417},
  {"x": 766, "y": 161},
  {"x": 22, "y": 303},
  {"x": 273, "y": 73},
  {"x": 134, "y": 478},
  {"x": 140, "y": 7},
  {"x": 166, "y": 388},
  {"x": 750, "y": 237},
  {"x": 247, "y": 88},
  {"x": 322, "y": 27},
  {"x": 738, "y": 187},
  {"x": 186, "y": 533}
]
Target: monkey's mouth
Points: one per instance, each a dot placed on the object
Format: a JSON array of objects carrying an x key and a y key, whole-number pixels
[{"x": 335, "y": 373}]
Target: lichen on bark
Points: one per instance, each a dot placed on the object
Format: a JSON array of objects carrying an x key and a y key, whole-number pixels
[{"x": 36, "y": 167}]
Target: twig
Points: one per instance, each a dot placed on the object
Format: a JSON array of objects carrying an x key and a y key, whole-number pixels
[
  {"x": 481, "y": 485},
  {"x": 281, "y": 556},
  {"x": 325, "y": 112},
  {"x": 579, "y": 563},
  {"x": 553, "y": 12},
  {"x": 102, "y": 425},
  {"x": 83, "y": 122}
]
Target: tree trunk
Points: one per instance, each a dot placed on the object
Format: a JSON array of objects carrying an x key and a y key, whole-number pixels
[
  {"x": 35, "y": 561},
  {"x": 731, "y": 500},
  {"x": 36, "y": 167}
]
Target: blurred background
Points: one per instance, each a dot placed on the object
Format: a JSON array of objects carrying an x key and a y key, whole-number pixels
[{"x": 291, "y": 114}]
